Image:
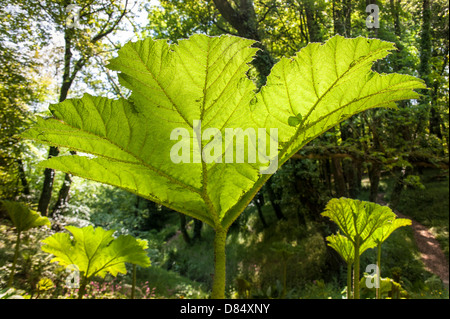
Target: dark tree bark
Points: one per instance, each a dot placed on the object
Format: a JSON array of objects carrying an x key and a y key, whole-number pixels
[
  {"x": 63, "y": 195},
  {"x": 351, "y": 176},
  {"x": 326, "y": 174},
  {"x": 47, "y": 186},
  {"x": 273, "y": 199},
  {"x": 374, "y": 177},
  {"x": 243, "y": 19},
  {"x": 311, "y": 21},
  {"x": 399, "y": 186},
  {"x": 376, "y": 167},
  {"x": 436, "y": 122},
  {"x": 259, "y": 203},
  {"x": 425, "y": 73},
  {"x": 342, "y": 23},
  {"x": 183, "y": 229},
  {"x": 349, "y": 166},
  {"x": 23, "y": 178},
  {"x": 198, "y": 225},
  {"x": 339, "y": 180},
  {"x": 395, "y": 13}
]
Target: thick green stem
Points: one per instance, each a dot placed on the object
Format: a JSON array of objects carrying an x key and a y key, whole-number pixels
[
  {"x": 16, "y": 255},
  {"x": 356, "y": 270},
  {"x": 349, "y": 280},
  {"x": 218, "y": 288},
  {"x": 378, "y": 283}
]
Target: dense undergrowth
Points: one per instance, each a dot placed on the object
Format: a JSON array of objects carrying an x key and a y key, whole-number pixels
[{"x": 286, "y": 259}]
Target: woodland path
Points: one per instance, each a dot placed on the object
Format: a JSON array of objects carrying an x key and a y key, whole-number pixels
[{"x": 429, "y": 248}]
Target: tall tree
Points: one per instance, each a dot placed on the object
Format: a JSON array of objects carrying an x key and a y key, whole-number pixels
[
  {"x": 19, "y": 89},
  {"x": 83, "y": 25},
  {"x": 425, "y": 56},
  {"x": 242, "y": 17},
  {"x": 342, "y": 17}
]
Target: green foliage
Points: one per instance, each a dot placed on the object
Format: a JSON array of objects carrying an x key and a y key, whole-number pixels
[
  {"x": 95, "y": 252},
  {"x": 388, "y": 288},
  {"x": 363, "y": 225},
  {"x": 176, "y": 20},
  {"x": 383, "y": 232},
  {"x": 20, "y": 90},
  {"x": 343, "y": 246},
  {"x": 32, "y": 264},
  {"x": 358, "y": 220},
  {"x": 23, "y": 217}
]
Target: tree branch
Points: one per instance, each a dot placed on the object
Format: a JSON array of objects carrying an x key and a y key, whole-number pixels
[
  {"x": 103, "y": 33},
  {"x": 267, "y": 12}
]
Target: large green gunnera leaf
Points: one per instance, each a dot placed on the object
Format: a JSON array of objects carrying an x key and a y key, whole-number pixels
[
  {"x": 23, "y": 217},
  {"x": 187, "y": 101},
  {"x": 95, "y": 251},
  {"x": 358, "y": 219},
  {"x": 345, "y": 247}
]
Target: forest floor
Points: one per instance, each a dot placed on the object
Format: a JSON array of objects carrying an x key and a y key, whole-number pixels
[{"x": 431, "y": 253}]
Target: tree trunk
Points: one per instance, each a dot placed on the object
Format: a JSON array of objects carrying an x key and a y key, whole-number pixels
[
  {"x": 348, "y": 166},
  {"x": 63, "y": 195},
  {"x": 436, "y": 121},
  {"x": 198, "y": 224},
  {"x": 23, "y": 178},
  {"x": 398, "y": 187},
  {"x": 326, "y": 171},
  {"x": 14, "y": 263},
  {"x": 184, "y": 232},
  {"x": 339, "y": 180},
  {"x": 47, "y": 187},
  {"x": 273, "y": 199},
  {"x": 351, "y": 177},
  {"x": 244, "y": 21},
  {"x": 259, "y": 202},
  {"x": 425, "y": 68},
  {"x": 313, "y": 27},
  {"x": 374, "y": 177},
  {"x": 395, "y": 12},
  {"x": 342, "y": 17}
]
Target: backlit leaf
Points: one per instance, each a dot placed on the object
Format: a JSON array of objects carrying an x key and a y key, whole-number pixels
[
  {"x": 23, "y": 217},
  {"x": 200, "y": 87},
  {"x": 358, "y": 219},
  {"x": 95, "y": 251}
]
